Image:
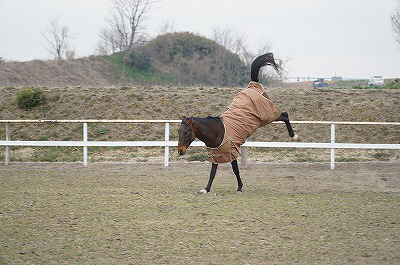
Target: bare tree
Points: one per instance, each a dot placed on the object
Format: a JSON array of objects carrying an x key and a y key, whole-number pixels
[
  {"x": 222, "y": 36},
  {"x": 167, "y": 26},
  {"x": 125, "y": 25},
  {"x": 57, "y": 38},
  {"x": 231, "y": 40},
  {"x": 70, "y": 54},
  {"x": 264, "y": 47},
  {"x": 395, "y": 20},
  {"x": 106, "y": 44}
]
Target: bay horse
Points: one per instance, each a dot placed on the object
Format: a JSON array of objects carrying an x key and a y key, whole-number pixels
[{"x": 217, "y": 133}]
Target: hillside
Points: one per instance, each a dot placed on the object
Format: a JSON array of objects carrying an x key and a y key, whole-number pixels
[
  {"x": 184, "y": 58},
  {"x": 174, "y": 102},
  {"x": 94, "y": 71},
  {"x": 172, "y": 59}
]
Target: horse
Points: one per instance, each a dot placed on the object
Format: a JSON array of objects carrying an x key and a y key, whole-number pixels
[{"x": 218, "y": 135}]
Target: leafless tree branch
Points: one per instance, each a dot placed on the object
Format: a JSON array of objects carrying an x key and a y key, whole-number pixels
[
  {"x": 395, "y": 20},
  {"x": 125, "y": 25},
  {"x": 57, "y": 38},
  {"x": 166, "y": 26}
]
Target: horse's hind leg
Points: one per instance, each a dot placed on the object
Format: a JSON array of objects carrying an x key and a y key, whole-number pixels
[
  {"x": 235, "y": 168},
  {"x": 212, "y": 176},
  {"x": 285, "y": 118}
]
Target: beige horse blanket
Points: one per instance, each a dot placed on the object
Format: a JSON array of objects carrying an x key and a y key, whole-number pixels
[{"x": 250, "y": 109}]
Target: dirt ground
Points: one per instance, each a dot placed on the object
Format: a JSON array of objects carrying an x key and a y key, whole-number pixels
[{"x": 141, "y": 213}]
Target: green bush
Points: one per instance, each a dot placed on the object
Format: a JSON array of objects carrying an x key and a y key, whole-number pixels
[
  {"x": 393, "y": 85},
  {"x": 29, "y": 97}
]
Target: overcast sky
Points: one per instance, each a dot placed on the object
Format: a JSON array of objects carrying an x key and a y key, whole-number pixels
[{"x": 352, "y": 38}]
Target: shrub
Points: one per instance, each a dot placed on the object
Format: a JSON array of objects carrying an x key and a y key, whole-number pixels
[
  {"x": 29, "y": 97},
  {"x": 393, "y": 85}
]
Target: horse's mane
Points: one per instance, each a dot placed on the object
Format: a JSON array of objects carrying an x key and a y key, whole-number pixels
[
  {"x": 215, "y": 118},
  {"x": 210, "y": 119}
]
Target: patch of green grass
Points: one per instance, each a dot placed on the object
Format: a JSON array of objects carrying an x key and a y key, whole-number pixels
[
  {"x": 139, "y": 75},
  {"x": 56, "y": 154},
  {"x": 102, "y": 131},
  {"x": 44, "y": 138},
  {"x": 23, "y": 136},
  {"x": 197, "y": 157},
  {"x": 117, "y": 60},
  {"x": 305, "y": 158},
  {"x": 347, "y": 159},
  {"x": 395, "y": 84},
  {"x": 382, "y": 156},
  {"x": 9, "y": 88},
  {"x": 274, "y": 150}
]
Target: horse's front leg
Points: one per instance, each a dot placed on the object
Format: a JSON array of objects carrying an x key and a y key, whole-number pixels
[
  {"x": 212, "y": 176},
  {"x": 235, "y": 168}
]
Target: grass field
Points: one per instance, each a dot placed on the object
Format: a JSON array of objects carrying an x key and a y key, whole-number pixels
[{"x": 296, "y": 213}]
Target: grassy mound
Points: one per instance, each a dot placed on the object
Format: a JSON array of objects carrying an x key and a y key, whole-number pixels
[{"x": 182, "y": 59}]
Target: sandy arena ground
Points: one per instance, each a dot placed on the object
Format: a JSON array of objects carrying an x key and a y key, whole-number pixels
[{"x": 140, "y": 213}]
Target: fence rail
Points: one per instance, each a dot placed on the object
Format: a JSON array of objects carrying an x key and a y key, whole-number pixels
[{"x": 85, "y": 143}]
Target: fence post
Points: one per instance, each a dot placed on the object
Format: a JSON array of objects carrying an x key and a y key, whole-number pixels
[
  {"x": 8, "y": 133},
  {"x": 243, "y": 153},
  {"x": 166, "y": 150},
  {"x": 333, "y": 145},
  {"x": 85, "y": 149}
]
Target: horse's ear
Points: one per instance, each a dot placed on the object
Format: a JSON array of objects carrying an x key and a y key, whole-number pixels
[{"x": 189, "y": 122}]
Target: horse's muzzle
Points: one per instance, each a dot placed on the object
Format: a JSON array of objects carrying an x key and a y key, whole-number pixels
[{"x": 181, "y": 152}]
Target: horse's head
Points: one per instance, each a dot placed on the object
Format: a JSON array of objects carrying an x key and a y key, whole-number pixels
[
  {"x": 262, "y": 60},
  {"x": 186, "y": 135}
]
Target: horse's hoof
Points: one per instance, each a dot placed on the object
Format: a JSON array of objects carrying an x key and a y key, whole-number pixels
[
  {"x": 203, "y": 191},
  {"x": 239, "y": 192},
  {"x": 296, "y": 138}
]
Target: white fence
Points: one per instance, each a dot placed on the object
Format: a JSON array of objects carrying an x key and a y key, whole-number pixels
[{"x": 332, "y": 145}]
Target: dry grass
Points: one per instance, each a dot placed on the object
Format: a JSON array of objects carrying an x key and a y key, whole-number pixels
[{"x": 174, "y": 102}]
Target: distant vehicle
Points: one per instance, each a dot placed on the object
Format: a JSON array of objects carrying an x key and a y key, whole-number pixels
[
  {"x": 376, "y": 81},
  {"x": 320, "y": 82}
]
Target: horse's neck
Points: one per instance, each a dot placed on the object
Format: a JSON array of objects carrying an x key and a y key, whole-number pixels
[{"x": 210, "y": 131}]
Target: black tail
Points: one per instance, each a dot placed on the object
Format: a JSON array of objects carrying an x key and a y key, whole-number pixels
[{"x": 260, "y": 61}]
